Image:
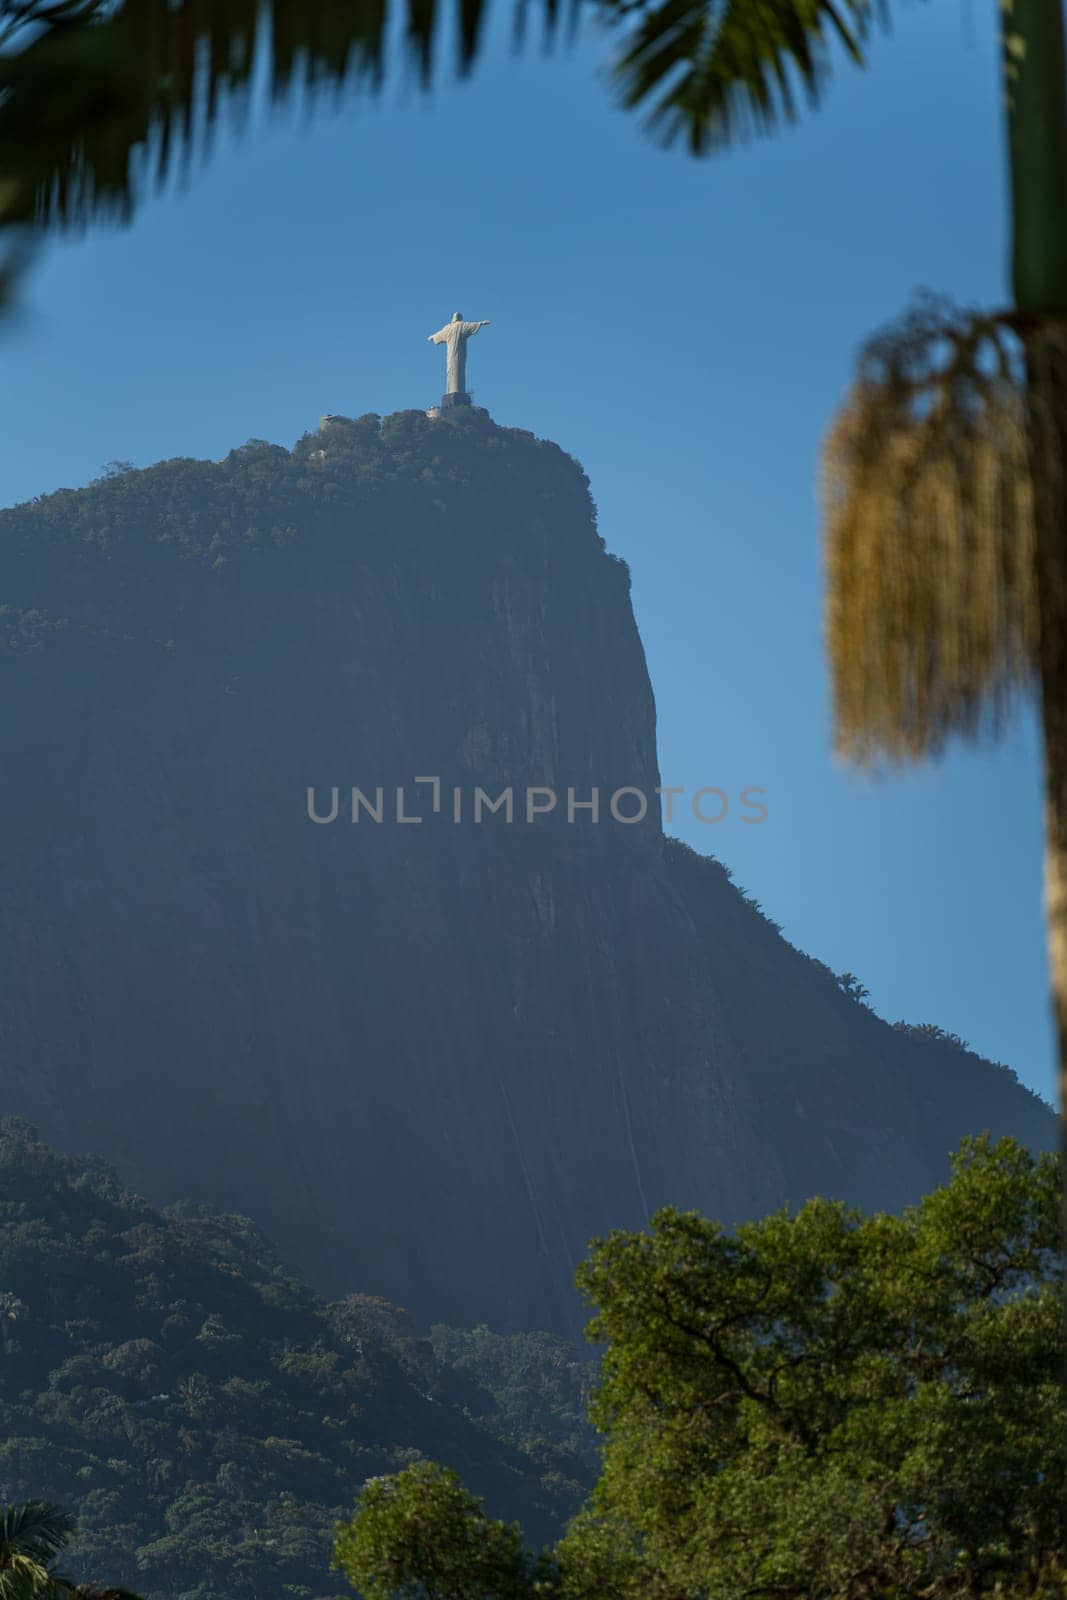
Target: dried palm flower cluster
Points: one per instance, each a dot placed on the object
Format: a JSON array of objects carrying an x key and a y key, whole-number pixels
[{"x": 929, "y": 476}]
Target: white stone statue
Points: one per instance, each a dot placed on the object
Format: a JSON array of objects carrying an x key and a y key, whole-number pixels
[{"x": 454, "y": 336}]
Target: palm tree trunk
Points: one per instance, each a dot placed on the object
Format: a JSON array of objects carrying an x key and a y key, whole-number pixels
[
  {"x": 1054, "y": 696},
  {"x": 1053, "y": 615},
  {"x": 1035, "y": 84}
]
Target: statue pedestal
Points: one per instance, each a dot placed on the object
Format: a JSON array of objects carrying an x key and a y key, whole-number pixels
[{"x": 450, "y": 401}]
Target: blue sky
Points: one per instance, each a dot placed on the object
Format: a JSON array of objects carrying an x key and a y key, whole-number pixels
[{"x": 685, "y": 329}]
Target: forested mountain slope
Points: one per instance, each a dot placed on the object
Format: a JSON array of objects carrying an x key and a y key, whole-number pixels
[{"x": 209, "y": 1419}]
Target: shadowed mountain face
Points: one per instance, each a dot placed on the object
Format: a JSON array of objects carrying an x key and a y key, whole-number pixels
[{"x": 432, "y": 1059}]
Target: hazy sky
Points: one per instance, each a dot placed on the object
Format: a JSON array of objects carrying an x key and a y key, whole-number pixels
[{"x": 685, "y": 330}]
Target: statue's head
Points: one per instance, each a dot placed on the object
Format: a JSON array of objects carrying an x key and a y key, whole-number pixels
[{"x": 457, "y": 316}]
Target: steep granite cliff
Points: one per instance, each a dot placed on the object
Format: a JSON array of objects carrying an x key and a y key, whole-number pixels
[{"x": 431, "y": 1059}]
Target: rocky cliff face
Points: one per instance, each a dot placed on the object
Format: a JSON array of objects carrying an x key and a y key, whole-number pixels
[{"x": 432, "y": 1059}]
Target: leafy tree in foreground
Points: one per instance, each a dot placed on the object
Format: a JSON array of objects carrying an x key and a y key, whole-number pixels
[
  {"x": 836, "y": 1405},
  {"x": 826, "y": 1405},
  {"x": 420, "y": 1535}
]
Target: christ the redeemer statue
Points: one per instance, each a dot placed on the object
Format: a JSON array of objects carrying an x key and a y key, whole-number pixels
[{"x": 454, "y": 336}]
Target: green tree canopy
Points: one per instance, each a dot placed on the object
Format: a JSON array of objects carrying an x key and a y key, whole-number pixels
[
  {"x": 835, "y": 1405},
  {"x": 824, "y": 1405},
  {"x": 419, "y": 1535}
]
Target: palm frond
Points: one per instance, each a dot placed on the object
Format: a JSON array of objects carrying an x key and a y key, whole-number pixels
[
  {"x": 102, "y": 100},
  {"x": 31, "y": 1536},
  {"x": 99, "y": 101},
  {"x": 22, "y": 1577},
  {"x": 36, "y": 1529},
  {"x": 717, "y": 70},
  {"x": 21, "y": 17}
]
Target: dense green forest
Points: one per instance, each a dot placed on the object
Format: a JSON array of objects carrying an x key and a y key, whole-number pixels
[{"x": 209, "y": 1419}]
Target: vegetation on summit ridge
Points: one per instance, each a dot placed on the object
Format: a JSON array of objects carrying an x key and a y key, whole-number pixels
[{"x": 360, "y": 489}]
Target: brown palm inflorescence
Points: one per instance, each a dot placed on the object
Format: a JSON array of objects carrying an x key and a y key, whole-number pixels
[{"x": 933, "y": 613}]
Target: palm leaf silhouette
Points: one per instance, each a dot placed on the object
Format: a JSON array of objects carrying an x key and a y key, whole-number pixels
[
  {"x": 31, "y": 1535},
  {"x": 100, "y": 101},
  {"x": 716, "y": 70}
]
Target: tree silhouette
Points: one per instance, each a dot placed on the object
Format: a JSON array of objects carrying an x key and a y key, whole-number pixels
[{"x": 100, "y": 100}]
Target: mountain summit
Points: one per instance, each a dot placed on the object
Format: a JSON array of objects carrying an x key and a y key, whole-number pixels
[{"x": 431, "y": 1057}]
